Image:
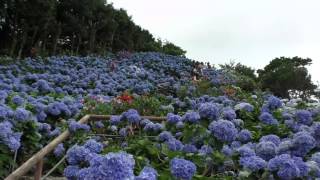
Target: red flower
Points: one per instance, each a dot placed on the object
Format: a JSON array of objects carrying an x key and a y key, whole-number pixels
[{"x": 125, "y": 98}]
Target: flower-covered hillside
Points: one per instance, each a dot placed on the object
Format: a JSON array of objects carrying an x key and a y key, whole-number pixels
[{"x": 213, "y": 129}]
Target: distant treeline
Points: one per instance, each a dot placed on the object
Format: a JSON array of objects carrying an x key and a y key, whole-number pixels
[{"x": 74, "y": 27}]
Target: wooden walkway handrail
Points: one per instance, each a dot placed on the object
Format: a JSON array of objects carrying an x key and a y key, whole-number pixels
[
  {"x": 38, "y": 157},
  {"x": 94, "y": 117}
]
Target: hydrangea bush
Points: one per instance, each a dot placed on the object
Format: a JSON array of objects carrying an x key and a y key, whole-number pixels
[{"x": 211, "y": 135}]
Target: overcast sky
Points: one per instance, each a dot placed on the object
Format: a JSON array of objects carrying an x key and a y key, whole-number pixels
[{"x": 252, "y": 32}]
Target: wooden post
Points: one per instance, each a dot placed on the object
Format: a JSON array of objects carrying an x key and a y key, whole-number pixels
[{"x": 38, "y": 173}]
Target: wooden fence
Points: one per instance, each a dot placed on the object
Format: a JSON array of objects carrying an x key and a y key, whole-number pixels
[{"x": 37, "y": 159}]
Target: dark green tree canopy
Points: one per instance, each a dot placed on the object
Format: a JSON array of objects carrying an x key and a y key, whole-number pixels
[
  {"x": 287, "y": 77},
  {"x": 74, "y": 27}
]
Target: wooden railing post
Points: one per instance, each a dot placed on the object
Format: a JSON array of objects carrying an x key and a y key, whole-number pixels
[{"x": 38, "y": 172}]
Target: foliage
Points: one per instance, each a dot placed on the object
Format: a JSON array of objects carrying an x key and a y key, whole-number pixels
[
  {"x": 37, "y": 27},
  {"x": 246, "y": 77},
  {"x": 283, "y": 76}
]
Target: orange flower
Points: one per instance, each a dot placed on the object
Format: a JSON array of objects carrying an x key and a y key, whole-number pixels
[
  {"x": 125, "y": 98},
  {"x": 230, "y": 91}
]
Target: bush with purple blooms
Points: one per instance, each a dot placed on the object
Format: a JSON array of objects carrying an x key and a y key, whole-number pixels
[{"x": 182, "y": 169}]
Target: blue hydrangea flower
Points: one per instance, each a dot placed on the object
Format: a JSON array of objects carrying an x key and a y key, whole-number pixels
[
  {"x": 267, "y": 118},
  {"x": 144, "y": 122},
  {"x": 293, "y": 125},
  {"x": 244, "y": 106},
  {"x": 191, "y": 116},
  {"x": 229, "y": 114},
  {"x": 180, "y": 125},
  {"x": 123, "y": 132},
  {"x": 99, "y": 124},
  {"x": 59, "y": 150},
  {"x": 174, "y": 144},
  {"x": 9, "y": 137},
  {"x": 223, "y": 130},
  {"x": 44, "y": 127},
  {"x": 165, "y": 136},
  {"x": 245, "y": 151},
  {"x": 182, "y": 169},
  {"x": 153, "y": 127},
  {"x": 190, "y": 148},
  {"x": 115, "y": 166},
  {"x": 304, "y": 117},
  {"x": 235, "y": 144},
  {"x": 3, "y": 95},
  {"x": 244, "y": 136},
  {"x": 17, "y": 100},
  {"x": 5, "y": 112},
  {"x": 132, "y": 116},
  {"x": 274, "y": 103},
  {"x": 253, "y": 163},
  {"x": 147, "y": 173},
  {"x": 71, "y": 172},
  {"x": 266, "y": 150},
  {"x": 93, "y": 146},
  {"x": 172, "y": 118},
  {"x": 115, "y": 120},
  {"x": 226, "y": 150},
  {"x": 272, "y": 138},
  {"x": 84, "y": 173},
  {"x": 287, "y": 167},
  {"x": 74, "y": 126},
  {"x": 285, "y": 147},
  {"x": 54, "y": 109},
  {"x": 303, "y": 167},
  {"x": 41, "y": 116},
  {"x": 288, "y": 170},
  {"x": 276, "y": 162},
  {"x": 77, "y": 154},
  {"x": 22, "y": 115},
  {"x": 315, "y": 131},
  {"x": 209, "y": 111},
  {"x": 55, "y": 132},
  {"x": 205, "y": 150},
  {"x": 43, "y": 86},
  {"x": 302, "y": 143}
]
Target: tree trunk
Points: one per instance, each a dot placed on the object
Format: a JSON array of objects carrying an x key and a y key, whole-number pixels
[
  {"x": 14, "y": 43},
  {"x": 35, "y": 32},
  {"x": 72, "y": 43},
  {"x": 56, "y": 38},
  {"x": 92, "y": 36},
  {"x": 24, "y": 40},
  {"x": 79, "y": 44},
  {"x": 43, "y": 44}
]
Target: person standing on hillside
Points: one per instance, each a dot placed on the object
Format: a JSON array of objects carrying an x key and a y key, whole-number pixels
[{"x": 113, "y": 65}]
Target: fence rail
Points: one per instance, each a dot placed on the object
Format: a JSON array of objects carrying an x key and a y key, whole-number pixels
[{"x": 37, "y": 159}]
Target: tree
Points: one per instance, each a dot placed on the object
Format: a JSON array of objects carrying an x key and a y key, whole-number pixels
[
  {"x": 246, "y": 77},
  {"x": 170, "y": 48},
  {"x": 287, "y": 77},
  {"x": 76, "y": 27}
]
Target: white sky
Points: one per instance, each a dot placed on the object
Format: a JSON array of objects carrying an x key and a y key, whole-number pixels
[{"x": 252, "y": 32}]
